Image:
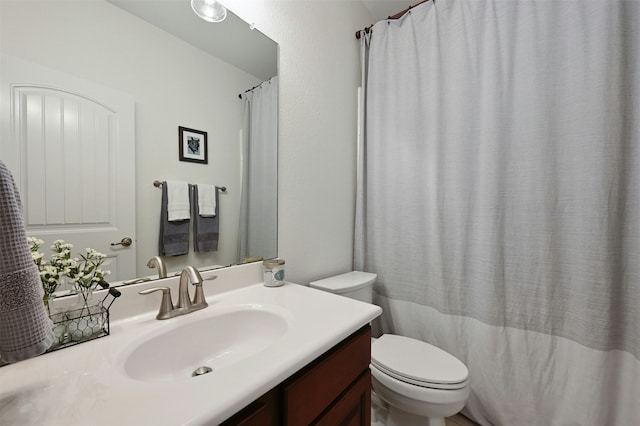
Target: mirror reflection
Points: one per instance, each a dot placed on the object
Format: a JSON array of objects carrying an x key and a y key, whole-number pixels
[{"x": 94, "y": 94}]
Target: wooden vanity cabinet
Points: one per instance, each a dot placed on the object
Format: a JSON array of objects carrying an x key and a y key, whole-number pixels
[
  {"x": 262, "y": 412},
  {"x": 335, "y": 389}
]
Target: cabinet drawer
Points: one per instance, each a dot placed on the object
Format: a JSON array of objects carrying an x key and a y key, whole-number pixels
[{"x": 319, "y": 384}]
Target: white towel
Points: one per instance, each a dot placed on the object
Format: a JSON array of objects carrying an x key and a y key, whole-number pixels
[
  {"x": 178, "y": 206},
  {"x": 207, "y": 200}
]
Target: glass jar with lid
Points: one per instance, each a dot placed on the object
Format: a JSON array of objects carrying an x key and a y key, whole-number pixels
[{"x": 273, "y": 272}]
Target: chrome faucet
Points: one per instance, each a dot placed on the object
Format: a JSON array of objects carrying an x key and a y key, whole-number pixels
[
  {"x": 157, "y": 262},
  {"x": 185, "y": 305}
]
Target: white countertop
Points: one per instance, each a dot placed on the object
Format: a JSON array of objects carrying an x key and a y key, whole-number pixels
[{"x": 86, "y": 384}]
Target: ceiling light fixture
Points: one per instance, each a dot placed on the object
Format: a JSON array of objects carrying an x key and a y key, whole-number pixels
[{"x": 209, "y": 10}]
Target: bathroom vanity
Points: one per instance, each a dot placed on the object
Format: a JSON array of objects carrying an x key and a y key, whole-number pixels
[{"x": 284, "y": 355}]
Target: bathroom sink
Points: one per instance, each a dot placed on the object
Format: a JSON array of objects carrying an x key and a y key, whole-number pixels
[{"x": 195, "y": 348}]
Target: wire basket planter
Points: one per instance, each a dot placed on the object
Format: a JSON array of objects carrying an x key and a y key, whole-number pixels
[
  {"x": 78, "y": 325},
  {"x": 83, "y": 323}
]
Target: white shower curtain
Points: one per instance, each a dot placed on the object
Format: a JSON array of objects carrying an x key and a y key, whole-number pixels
[
  {"x": 258, "y": 204},
  {"x": 499, "y": 200}
]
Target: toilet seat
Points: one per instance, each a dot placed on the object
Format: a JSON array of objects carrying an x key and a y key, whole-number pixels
[
  {"x": 423, "y": 401},
  {"x": 418, "y": 363}
]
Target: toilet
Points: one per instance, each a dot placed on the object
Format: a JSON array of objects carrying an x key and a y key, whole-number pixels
[{"x": 418, "y": 383}]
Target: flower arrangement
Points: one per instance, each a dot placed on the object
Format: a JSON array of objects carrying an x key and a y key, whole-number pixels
[{"x": 84, "y": 272}]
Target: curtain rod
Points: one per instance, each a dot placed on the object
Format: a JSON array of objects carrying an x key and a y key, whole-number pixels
[
  {"x": 255, "y": 87},
  {"x": 396, "y": 16}
]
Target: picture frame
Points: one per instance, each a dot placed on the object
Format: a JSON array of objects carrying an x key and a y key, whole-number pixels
[{"x": 192, "y": 145}]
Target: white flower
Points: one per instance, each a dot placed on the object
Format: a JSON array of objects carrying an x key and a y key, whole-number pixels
[
  {"x": 84, "y": 271},
  {"x": 33, "y": 241}
]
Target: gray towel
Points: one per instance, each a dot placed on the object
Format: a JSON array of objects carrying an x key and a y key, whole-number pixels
[
  {"x": 174, "y": 236},
  {"x": 205, "y": 229},
  {"x": 25, "y": 328}
]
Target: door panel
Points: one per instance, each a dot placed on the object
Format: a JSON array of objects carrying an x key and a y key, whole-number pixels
[{"x": 71, "y": 147}]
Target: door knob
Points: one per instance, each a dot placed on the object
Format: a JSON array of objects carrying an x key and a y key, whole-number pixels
[{"x": 125, "y": 242}]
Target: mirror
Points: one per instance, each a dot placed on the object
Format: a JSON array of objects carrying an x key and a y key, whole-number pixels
[{"x": 179, "y": 71}]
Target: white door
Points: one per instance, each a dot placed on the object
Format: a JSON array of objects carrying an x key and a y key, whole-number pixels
[{"x": 70, "y": 145}]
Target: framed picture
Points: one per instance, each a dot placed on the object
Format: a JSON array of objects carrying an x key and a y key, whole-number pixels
[{"x": 192, "y": 145}]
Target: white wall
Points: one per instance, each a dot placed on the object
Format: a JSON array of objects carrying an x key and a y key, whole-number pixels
[
  {"x": 319, "y": 74},
  {"x": 173, "y": 84}
]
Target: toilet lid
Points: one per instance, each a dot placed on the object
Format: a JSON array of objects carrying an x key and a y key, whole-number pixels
[
  {"x": 344, "y": 283},
  {"x": 417, "y": 362}
]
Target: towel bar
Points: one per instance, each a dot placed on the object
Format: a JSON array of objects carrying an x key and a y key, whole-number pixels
[{"x": 158, "y": 184}]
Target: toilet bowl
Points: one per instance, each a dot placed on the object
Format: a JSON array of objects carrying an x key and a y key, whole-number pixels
[{"x": 420, "y": 384}]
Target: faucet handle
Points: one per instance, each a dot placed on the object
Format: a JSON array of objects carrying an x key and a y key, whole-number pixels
[
  {"x": 198, "y": 297},
  {"x": 137, "y": 280},
  {"x": 166, "y": 305}
]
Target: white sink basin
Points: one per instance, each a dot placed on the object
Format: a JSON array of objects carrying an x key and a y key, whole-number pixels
[{"x": 214, "y": 342}]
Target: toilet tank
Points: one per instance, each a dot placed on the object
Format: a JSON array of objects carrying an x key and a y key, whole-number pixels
[{"x": 355, "y": 285}]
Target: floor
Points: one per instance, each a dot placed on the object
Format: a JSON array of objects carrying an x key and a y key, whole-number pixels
[
  {"x": 379, "y": 415},
  {"x": 459, "y": 420}
]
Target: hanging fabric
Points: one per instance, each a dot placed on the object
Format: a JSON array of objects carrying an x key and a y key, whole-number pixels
[
  {"x": 500, "y": 200},
  {"x": 258, "y": 206},
  {"x": 25, "y": 328},
  {"x": 359, "y": 228}
]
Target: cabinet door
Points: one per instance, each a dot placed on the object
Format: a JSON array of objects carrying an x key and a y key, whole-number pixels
[
  {"x": 353, "y": 408},
  {"x": 262, "y": 412},
  {"x": 308, "y": 394}
]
